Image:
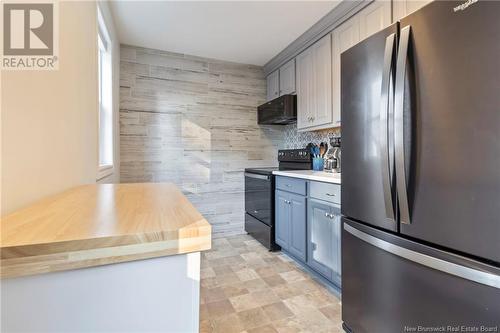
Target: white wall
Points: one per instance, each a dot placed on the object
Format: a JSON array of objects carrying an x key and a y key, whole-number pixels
[{"x": 50, "y": 118}]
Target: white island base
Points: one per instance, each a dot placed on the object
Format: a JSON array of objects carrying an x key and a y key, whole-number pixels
[{"x": 151, "y": 295}]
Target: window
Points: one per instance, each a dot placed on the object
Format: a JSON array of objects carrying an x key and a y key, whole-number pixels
[{"x": 105, "y": 167}]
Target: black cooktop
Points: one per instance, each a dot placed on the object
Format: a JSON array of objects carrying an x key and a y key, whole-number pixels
[
  {"x": 262, "y": 171},
  {"x": 289, "y": 159}
]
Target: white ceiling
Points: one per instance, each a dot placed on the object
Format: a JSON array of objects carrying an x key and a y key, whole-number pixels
[{"x": 250, "y": 32}]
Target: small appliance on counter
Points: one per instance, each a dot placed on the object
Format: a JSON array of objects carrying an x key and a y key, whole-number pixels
[
  {"x": 333, "y": 156},
  {"x": 259, "y": 194}
]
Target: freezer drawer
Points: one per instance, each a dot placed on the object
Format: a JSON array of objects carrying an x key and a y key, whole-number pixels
[{"x": 388, "y": 285}]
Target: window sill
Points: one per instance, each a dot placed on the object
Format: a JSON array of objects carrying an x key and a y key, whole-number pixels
[{"x": 104, "y": 171}]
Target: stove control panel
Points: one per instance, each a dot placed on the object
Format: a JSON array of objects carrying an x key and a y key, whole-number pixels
[{"x": 294, "y": 155}]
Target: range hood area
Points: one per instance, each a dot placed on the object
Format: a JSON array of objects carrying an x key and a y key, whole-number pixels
[{"x": 279, "y": 111}]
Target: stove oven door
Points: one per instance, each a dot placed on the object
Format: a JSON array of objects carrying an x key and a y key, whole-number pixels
[{"x": 259, "y": 201}]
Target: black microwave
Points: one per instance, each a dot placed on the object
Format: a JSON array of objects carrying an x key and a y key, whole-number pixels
[{"x": 279, "y": 111}]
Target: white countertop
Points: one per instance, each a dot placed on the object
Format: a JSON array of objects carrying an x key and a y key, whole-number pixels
[{"x": 320, "y": 176}]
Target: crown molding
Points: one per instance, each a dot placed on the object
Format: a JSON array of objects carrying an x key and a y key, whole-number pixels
[{"x": 325, "y": 25}]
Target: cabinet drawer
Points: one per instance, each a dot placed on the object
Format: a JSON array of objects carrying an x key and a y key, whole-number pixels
[
  {"x": 325, "y": 191},
  {"x": 293, "y": 185}
]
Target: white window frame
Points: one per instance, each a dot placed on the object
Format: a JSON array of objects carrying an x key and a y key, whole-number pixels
[{"x": 106, "y": 129}]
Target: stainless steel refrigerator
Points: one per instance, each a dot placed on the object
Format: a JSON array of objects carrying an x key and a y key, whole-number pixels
[{"x": 421, "y": 172}]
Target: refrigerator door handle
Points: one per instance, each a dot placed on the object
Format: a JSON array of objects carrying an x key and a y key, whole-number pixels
[
  {"x": 399, "y": 126},
  {"x": 482, "y": 277},
  {"x": 385, "y": 103}
]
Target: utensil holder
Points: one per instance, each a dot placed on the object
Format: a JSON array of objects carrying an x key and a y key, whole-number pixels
[{"x": 318, "y": 163}]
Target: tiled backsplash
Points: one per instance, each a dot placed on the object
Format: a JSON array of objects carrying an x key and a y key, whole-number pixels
[{"x": 295, "y": 139}]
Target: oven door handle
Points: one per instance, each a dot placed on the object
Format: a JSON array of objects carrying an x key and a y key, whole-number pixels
[{"x": 256, "y": 176}]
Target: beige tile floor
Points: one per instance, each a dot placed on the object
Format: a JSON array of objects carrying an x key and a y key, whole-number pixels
[{"x": 246, "y": 288}]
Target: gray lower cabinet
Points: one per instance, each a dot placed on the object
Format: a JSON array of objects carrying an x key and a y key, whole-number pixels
[
  {"x": 297, "y": 245},
  {"x": 291, "y": 223},
  {"x": 282, "y": 211},
  {"x": 308, "y": 224},
  {"x": 323, "y": 236}
]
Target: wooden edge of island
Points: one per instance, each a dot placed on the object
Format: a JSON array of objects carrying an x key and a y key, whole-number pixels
[{"x": 101, "y": 224}]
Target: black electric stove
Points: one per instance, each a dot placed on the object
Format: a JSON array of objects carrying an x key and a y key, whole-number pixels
[{"x": 259, "y": 194}]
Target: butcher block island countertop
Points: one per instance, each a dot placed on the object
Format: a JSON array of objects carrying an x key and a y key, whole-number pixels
[{"x": 99, "y": 224}]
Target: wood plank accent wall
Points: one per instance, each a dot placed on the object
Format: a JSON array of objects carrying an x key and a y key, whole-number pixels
[{"x": 193, "y": 121}]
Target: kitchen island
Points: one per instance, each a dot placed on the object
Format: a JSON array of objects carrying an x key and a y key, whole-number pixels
[{"x": 104, "y": 257}]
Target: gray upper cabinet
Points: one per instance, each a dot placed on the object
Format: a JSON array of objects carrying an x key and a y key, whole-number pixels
[
  {"x": 402, "y": 8},
  {"x": 314, "y": 85},
  {"x": 374, "y": 18},
  {"x": 282, "y": 81},
  {"x": 297, "y": 245},
  {"x": 273, "y": 83},
  {"x": 322, "y": 61},
  {"x": 344, "y": 36},
  {"x": 370, "y": 20},
  {"x": 314, "y": 74},
  {"x": 305, "y": 89},
  {"x": 287, "y": 78}
]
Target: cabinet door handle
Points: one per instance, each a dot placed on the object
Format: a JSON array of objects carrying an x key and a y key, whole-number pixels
[
  {"x": 327, "y": 215},
  {"x": 331, "y": 216},
  {"x": 331, "y": 194}
]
